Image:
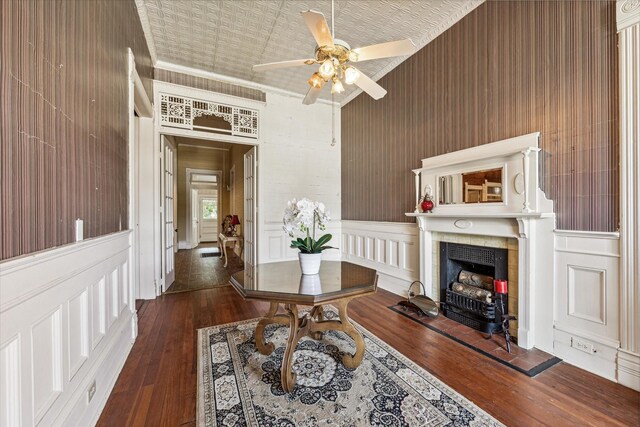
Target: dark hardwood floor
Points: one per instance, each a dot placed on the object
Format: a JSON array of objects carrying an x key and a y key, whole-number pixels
[
  {"x": 157, "y": 386},
  {"x": 195, "y": 272}
]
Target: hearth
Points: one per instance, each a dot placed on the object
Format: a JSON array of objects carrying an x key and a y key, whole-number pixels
[{"x": 466, "y": 285}]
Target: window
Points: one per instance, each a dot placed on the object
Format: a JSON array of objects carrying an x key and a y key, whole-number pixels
[
  {"x": 209, "y": 209},
  {"x": 203, "y": 178}
]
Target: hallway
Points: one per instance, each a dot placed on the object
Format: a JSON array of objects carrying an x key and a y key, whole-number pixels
[{"x": 199, "y": 268}]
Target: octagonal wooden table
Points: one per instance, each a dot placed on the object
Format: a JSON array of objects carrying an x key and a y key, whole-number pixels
[{"x": 282, "y": 283}]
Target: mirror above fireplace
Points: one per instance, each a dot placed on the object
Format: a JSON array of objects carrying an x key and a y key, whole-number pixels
[{"x": 483, "y": 186}]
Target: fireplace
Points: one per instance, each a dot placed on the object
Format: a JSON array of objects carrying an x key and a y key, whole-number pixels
[
  {"x": 521, "y": 212},
  {"x": 466, "y": 285}
]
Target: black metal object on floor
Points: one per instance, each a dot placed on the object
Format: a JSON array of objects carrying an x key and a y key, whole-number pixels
[
  {"x": 420, "y": 304},
  {"x": 506, "y": 318}
]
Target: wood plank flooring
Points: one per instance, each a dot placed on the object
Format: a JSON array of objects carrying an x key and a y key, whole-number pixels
[
  {"x": 157, "y": 386},
  {"x": 193, "y": 272}
]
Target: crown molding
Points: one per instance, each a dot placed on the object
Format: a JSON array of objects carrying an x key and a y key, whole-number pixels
[
  {"x": 627, "y": 13},
  {"x": 465, "y": 9},
  {"x": 146, "y": 29},
  {"x": 196, "y": 72}
]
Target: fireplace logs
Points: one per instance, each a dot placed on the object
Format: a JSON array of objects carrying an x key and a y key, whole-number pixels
[
  {"x": 475, "y": 279},
  {"x": 472, "y": 291}
]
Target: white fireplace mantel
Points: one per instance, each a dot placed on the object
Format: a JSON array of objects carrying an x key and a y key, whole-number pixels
[
  {"x": 524, "y": 214},
  {"x": 487, "y": 224}
]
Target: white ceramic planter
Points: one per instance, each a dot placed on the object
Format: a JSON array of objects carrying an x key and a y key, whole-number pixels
[{"x": 310, "y": 263}]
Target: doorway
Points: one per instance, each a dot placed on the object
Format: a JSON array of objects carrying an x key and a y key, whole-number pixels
[
  {"x": 204, "y": 202},
  {"x": 209, "y": 182}
]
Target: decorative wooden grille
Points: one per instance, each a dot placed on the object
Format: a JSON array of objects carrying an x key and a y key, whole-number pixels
[{"x": 180, "y": 112}]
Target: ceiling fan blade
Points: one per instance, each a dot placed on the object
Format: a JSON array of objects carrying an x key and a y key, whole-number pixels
[
  {"x": 374, "y": 90},
  {"x": 281, "y": 64},
  {"x": 385, "y": 50},
  {"x": 312, "y": 95},
  {"x": 318, "y": 27}
]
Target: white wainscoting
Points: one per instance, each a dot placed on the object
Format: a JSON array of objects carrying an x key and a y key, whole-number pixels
[
  {"x": 392, "y": 248},
  {"x": 275, "y": 245},
  {"x": 67, "y": 318},
  {"x": 587, "y": 324}
]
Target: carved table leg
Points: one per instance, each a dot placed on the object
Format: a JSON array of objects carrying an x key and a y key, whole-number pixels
[
  {"x": 287, "y": 376},
  {"x": 312, "y": 324},
  {"x": 318, "y": 315},
  {"x": 348, "y": 360},
  {"x": 266, "y": 348}
]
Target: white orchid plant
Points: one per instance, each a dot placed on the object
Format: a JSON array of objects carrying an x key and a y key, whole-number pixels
[{"x": 304, "y": 216}]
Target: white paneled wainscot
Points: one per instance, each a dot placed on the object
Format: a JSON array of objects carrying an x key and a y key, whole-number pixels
[
  {"x": 392, "y": 248},
  {"x": 275, "y": 244},
  {"x": 67, "y": 324},
  {"x": 587, "y": 322}
]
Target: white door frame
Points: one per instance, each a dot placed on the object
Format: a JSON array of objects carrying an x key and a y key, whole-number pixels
[
  {"x": 179, "y": 90},
  {"x": 139, "y": 104},
  {"x": 232, "y": 189},
  {"x": 189, "y": 172},
  {"x": 194, "y": 240},
  {"x": 250, "y": 214},
  {"x": 173, "y": 158}
]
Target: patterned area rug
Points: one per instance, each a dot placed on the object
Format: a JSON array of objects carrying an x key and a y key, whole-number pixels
[{"x": 238, "y": 386}]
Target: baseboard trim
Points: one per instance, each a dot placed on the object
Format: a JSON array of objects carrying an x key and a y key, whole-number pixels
[
  {"x": 601, "y": 362},
  {"x": 629, "y": 369},
  {"x": 393, "y": 284}
]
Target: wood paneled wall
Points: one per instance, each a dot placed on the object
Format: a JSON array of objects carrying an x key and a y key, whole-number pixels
[
  {"x": 507, "y": 69},
  {"x": 208, "y": 84},
  {"x": 64, "y": 133}
]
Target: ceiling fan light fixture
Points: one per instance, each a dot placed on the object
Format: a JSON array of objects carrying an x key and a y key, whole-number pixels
[
  {"x": 337, "y": 86},
  {"x": 351, "y": 75},
  {"x": 332, "y": 57},
  {"x": 327, "y": 69},
  {"x": 316, "y": 81}
]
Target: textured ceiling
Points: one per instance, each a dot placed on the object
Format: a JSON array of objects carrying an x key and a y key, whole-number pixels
[{"x": 228, "y": 37}]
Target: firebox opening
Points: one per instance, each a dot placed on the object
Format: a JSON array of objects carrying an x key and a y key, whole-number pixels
[{"x": 466, "y": 285}]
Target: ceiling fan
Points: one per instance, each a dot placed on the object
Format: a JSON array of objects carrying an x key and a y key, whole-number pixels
[{"x": 335, "y": 57}]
